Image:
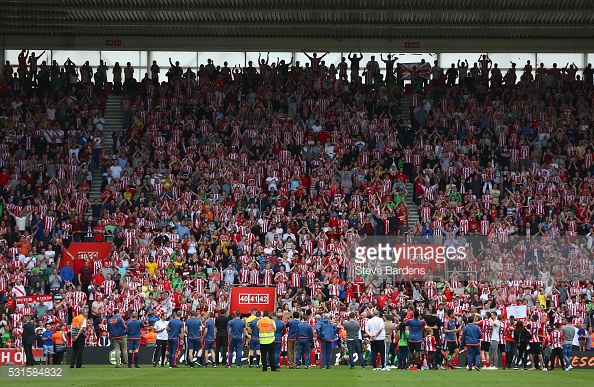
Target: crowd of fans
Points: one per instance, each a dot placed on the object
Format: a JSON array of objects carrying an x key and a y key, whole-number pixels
[{"x": 270, "y": 174}]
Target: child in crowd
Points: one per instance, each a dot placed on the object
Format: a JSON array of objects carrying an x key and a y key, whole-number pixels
[{"x": 582, "y": 337}]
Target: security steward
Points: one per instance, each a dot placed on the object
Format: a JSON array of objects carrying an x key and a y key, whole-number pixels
[
  {"x": 267, "y": 328},
  {"x": 77, "y": 330}
]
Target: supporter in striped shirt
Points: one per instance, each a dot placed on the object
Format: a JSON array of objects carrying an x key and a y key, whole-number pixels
[{"x": 555, "y": 341}]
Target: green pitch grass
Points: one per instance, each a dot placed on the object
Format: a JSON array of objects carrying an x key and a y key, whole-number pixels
[{"x": 339, "y": 376}]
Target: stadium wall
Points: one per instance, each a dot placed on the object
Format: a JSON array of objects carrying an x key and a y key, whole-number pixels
[{"x": 312, "y": 44}]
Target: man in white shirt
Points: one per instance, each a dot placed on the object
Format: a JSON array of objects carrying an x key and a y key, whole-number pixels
[
  {"x": 98, "y": 121},
  {"x": 288, "y": 235},
  {"x": 317, "y": 127},
  {"x": 19, "y": 289},
  {"x": 272, "y": 182},
  {"x": 162, "y": 337},
  {"x": 376, "y": 331},
  {"x": 27, "y": 260},
  {"x": 74, "y": 151},
  {"x": 115, "y": 170}
]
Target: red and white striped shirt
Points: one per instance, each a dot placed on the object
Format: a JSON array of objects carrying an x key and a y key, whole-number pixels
[
  {"x": 430, "y": 343},
  {"x": 535, "y": 327},
  {"x": 295, "y": 279},
  {"x": 556, "y": 339},
  {"x": 487, "y": 328}
]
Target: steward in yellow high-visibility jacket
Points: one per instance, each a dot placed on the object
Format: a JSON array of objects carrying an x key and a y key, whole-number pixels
[{"x": 267, "y": 327}]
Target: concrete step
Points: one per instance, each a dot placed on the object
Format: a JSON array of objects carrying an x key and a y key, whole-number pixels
[
  {"x": 113, "y": 120},
  {"x": 405, "y": 105},
  {"x": 413, "y": 212}
]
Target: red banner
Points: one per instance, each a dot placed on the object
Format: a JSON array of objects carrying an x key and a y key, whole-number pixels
[
  {"x": 45, "y": 298},
  {"x": 244, "y": 298},
  {"x": 15, "y": 356},
  {"x": 82, "y": 251}
]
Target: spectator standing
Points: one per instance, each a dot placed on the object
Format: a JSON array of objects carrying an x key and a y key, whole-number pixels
[
  {"x": 555, "y": 340},
  {"x": 353, "y": 340},
  {"x": 376, "y": 331},
  {"x": 355, "y": 61},
  {"x": 48, "y": 343},
  {"x": 390, "y": 347},
  {"x": 568, "y": 331}
]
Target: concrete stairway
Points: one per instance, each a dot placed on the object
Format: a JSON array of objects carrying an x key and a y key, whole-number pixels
[
  {"x": 113, "y": 121},
  {"x": 405, "y": 105},
  {"x": 413, "y": 212}
]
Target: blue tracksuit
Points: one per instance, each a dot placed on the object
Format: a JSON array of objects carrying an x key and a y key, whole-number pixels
[
  {"x": 209, "y": 334},
  {"x": 304, "y": 338},
  {"x": 255, "y": 341},
  {"x": 133, "y": 329},
  {"x": 133, "y": 332},
  {"x": 278, "y": 339},
  {"x": 236, "y": 328},
  {"x": 326, "y": 334},
  {"x": 116, "y": 327},
  {"x": 193, "y": 329},
  {"x": 471, "y": 336},
  {"x": 175, "y": 331},
  {"x": 292, "y": 329}
]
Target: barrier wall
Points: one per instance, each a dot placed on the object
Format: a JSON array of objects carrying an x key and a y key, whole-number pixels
[
  {"x": 106, "y": 356},
  {"x": 13, "y": 356}
]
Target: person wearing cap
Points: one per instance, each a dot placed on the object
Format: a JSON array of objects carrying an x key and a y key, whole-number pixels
[{"x": 29, "y": 338}]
